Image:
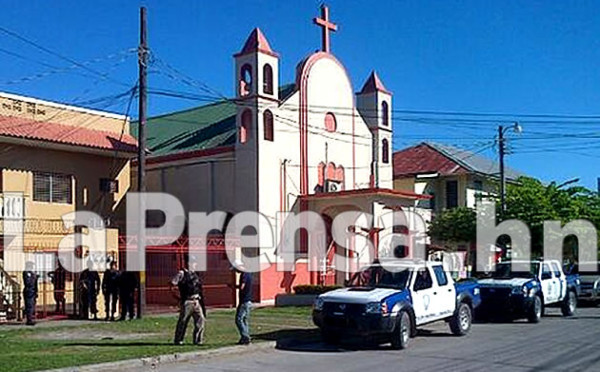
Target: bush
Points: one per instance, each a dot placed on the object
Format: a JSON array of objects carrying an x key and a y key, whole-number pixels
[{"x": 312, "y": 289}]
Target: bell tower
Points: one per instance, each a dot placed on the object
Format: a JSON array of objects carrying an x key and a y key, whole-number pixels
[
  {"x": 257, "y": 89},
  {"x": 374, "y": 103}
]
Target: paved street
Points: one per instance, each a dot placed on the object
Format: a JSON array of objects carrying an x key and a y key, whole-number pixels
[{"x": 556, "y": 344}]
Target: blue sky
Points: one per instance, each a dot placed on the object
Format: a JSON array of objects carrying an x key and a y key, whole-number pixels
[{"x": 513, "y": 57}]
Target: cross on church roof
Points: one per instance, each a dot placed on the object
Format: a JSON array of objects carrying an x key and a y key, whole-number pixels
[{"x": 326, "y": 26}]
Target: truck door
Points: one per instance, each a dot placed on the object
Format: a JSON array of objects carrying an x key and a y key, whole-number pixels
[
  {"x": 423, "y": 295},
  {"x": 446, "y": 293},
  {"x": 561, "y": 279},
  {"x": 549, "y": 285}
]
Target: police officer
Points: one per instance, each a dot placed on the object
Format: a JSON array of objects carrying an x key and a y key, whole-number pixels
[
  {"x": 58, "y": 278},
  {"x": 189, "y": 286},
  {"x": 127, "y": 286},
  {"x": 30, "y": 291},
  {"x": 110, "y": 290},
  {"x": 90, "y": 283}
]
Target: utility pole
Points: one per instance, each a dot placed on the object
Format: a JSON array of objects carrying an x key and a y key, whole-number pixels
[
  {"x": 501, "y": 150},
  {"x": 141, "y": 176}
]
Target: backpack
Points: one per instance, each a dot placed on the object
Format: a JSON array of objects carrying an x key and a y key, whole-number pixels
[{"x": 190, "y": 285}]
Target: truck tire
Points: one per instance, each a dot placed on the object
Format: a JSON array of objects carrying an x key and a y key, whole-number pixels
[
  {"x": 330, "y": 338},
  {"x": 569, "y": 304},
  {"x": 535, "y": 312},
  {"x": 461, "y": 321},
  {"x": 401, "y": 333}
]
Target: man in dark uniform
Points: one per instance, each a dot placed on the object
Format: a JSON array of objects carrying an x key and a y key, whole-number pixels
[
  {"x": 90, "y": 283},
  {"x": 30, "y": 291},
  {"x": 58, "y": 278},
  {"x": 127, "y": 286},
  {"x": 189, "y": 286},
  {"x": 110, "y": 290},
  {"x": 242, "y": 314}
]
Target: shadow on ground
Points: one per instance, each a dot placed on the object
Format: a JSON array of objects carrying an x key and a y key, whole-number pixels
[{"x": 309, "y": 340}]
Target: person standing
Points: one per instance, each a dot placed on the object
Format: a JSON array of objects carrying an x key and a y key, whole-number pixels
[
  {"x": 90, "y": 282},
  {"x": 110, "y": 290},
  {"x": 190, "y": 305},
  {"x": 127, "y": 285},
  {"x": 30, "y": 292},
  {"x": 242, "y": 314},
  {"x": 59, "y": 278}
]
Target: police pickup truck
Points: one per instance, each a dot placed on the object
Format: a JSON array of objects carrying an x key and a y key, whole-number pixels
[
  {"x": 590, "y": 284},
  {"x": 387, "y": 301},
  {"x": 525, "y": 294}
]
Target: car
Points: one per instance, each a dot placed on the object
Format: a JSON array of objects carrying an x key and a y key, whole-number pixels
[
  {"x": 590, "y": 284},
  {"x": 526, "y": 294},
  {"x": 389, "y": 305}
]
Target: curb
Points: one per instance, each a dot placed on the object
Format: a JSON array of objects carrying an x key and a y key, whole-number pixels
[{"x": 155, "y": 361}]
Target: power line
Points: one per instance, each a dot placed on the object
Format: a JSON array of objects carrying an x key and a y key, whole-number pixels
[{"x": 56, "y": 54}]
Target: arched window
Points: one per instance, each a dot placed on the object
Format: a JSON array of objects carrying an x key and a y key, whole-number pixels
[
  {"x": 321, "y": 174},
  {"x": 340, "y": 177},
  {"x": 267, "y": 79},
  {"x": 245, "y": 80},
  {"x": 268, "y": 125},
  {"x": 330, "y": 122},
  {"x": 385, "y": 113},
  {"x": 245, "y": 126},
  {"x": 330, "y": 173},
  {"x": 385, "y": 151}
]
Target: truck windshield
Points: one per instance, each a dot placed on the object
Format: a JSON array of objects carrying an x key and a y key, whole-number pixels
[
  {"x": 378, "y": 277},
  {"x": 504, "y": 271}
]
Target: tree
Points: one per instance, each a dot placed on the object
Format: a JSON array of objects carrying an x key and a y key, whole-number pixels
[
  {"x": 454, "y": 225},
  {"x": 533, "y": 203}
]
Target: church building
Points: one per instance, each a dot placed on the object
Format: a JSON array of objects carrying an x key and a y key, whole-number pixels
[{"x": 313, "y": 144}]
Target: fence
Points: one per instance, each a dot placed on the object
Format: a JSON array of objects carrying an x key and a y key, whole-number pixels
[{"x": 164, "y": 260}]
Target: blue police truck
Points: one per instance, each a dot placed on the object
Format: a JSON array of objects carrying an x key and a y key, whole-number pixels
[{"x": 387, "y": 301}]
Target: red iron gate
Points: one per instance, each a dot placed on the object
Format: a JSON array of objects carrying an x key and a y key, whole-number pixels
[{"x": 163, "y": 262}]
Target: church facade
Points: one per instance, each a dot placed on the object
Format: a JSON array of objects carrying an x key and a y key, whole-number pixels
[{"x": 313, "y": 144}]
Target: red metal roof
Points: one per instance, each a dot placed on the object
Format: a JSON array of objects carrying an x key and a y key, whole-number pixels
[
  {"x": 16, "y": 127},
  {"x": 374, "y": 84},
  {"x": 422, "y": 159},
  {"x": 257, "y": 42}
]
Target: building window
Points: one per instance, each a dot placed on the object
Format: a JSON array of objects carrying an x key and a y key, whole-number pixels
[
  {"x": 330, "y": 122},
  {"x": 268, "y": 125},
  {"x": 245, "y": 126},
  {"x": 451, "y": 194},
  {"x": 245, "y": 80},
  {"x": 267, "y": 79},
  {"x": 52, "y": 188},
  {"x": 385, "y": 114},
  {"x": 478, "y": 185},
  {"x": 385, "y": 151}
]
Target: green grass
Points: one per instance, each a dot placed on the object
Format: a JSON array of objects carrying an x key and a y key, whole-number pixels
[{"x": 40, "y": 348}]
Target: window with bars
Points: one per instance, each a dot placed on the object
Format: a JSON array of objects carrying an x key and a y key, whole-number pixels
[{"x": 52, "y": 188}]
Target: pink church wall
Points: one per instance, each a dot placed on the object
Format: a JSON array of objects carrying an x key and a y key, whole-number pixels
[{"x": 273, "y": 282}]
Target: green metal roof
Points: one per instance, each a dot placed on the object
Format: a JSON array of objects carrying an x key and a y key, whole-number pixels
[{"x": 198, "y": 128}]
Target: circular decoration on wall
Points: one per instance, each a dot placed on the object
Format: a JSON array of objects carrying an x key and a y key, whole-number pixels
[{"x": 330, "y": 122}]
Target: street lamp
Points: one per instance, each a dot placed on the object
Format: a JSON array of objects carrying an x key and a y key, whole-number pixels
[{"x": 517, "y": 128}]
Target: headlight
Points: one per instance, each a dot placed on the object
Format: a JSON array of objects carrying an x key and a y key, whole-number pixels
[
  {"x": 318, "y": 305},
  {"x": 373, "y": 308},
  {"x": 520, "y": 290}
]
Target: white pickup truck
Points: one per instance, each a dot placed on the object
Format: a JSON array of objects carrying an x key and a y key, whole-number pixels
[{"x": 389, "y": 305}]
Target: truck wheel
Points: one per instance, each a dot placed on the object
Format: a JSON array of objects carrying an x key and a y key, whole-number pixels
[
  {"x": 401, "y": 334},
  {"x": 569, "y": 304},
  {"x": 330, "y": 338},
  {"x": 535, "y": 312},
  {"x": 460, "y": 323}
]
